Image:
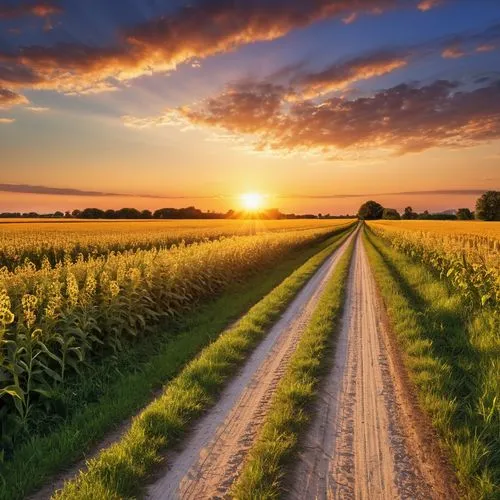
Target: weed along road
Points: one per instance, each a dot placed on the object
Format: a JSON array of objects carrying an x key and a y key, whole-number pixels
[
  {"x": 359, "y": 444},
  {"x": 212, "y": 456}
]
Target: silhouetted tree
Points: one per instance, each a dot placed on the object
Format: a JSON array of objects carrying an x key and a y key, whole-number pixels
[
  {"x": 488, "y": 206},
  {"x": 390, "y": 214},
  {"x": 409, "y": 214},
  {"x": 128, "y": 213},
  {"x": 370, "y": 210},
  {"x": 92, "y": 213},
  {"x": 464, "y": 214},
  {"x": 110, "y": 214}
]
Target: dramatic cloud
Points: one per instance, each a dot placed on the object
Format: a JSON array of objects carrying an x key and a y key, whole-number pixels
[
  {"x": 341, "y": 76},
  {"x": 402, "y": 119},
  {"x": 8, "y": 98},
  {"x": 208, "y": 27},
  {"x": 39, "y": 9}
]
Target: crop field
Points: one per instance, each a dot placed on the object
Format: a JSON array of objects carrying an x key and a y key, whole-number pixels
[
  {"x": 467, "y": 253},
  {"x": 60, "y": 241},
  {"x": 87, "y": 293},
  {"x": 172, "y": 323}
]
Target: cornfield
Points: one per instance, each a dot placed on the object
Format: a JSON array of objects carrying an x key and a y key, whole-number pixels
[
  {"x": 466, "y": 253},
  {"x": 53, "y": 242},
  {"x": 57, "y": 319}
]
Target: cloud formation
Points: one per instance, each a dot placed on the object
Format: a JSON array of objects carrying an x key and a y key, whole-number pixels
[
  {"x": 204, "y": 29},
  {"x": 341, "y": 76},
  {"x": 7, "y": 120},
  {"x": 466, "y": 44},
  {"x": 8, "y": 98},
  {"x": 402, "y": 119},
  {"x": 21, "y": 9}
]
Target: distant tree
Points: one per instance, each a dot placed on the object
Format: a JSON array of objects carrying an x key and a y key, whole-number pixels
[
  {"x": 146, "y": 214},
  {"x": 128, "y": 213},
  {"x": 76, "y": 213},
  {"x": 110, "y": 214},
  {"x": 58, "y": 214},
  {"x": 92, "y": 213},
  {"x": 370, "y": 210},
  {"x": 464, "y": 214},
  {"x": 409, "y": 214},
  {"x": 10, "y": 215},
  {"x": 488, "y": 206},
  {"x": 390, "y": 214}
]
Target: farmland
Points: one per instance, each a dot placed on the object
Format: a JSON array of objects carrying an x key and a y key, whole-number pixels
[
  {"x": 62, "y": 241},
  {"x": 59, "y": 321},
  {"x": 173, "y": 322}
]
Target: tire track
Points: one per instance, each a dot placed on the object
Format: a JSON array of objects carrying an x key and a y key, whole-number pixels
[
  {"x": 212, "y": 456},
  {"x": 357, "y": 445}
]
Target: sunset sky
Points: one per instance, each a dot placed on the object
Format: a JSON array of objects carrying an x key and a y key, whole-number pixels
[{"x": 318, "y": 104}]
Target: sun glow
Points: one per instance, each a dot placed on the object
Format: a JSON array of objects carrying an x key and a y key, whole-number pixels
[{"x": 252, "y": 201}]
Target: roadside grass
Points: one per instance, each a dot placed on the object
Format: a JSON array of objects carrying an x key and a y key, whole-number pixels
[
  {"x": 119, "y": 470},
  {"x": 110, "y": 393},
  {"x": 263, "y": 473},
  {"x": 453, "y": 359}
]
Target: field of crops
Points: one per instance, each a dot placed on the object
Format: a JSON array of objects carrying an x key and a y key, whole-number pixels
[
  {"x": 58, "y": 318},
  {"x": 64, "y": 241},
  {"x": 467, "y": 253}
]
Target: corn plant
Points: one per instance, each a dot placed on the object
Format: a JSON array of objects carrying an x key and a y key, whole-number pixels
[{"x": 56, "y": 320}]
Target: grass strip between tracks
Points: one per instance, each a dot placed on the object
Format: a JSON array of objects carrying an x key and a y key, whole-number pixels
[
  {"x": 291, "y": 409},
  {"x": 119, "y": 470},
  {"x": 121, "y": 390},
  {"x": 452, "y": 359}
]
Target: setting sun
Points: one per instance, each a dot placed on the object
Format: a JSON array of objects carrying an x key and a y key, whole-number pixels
[{"x": 252, "y": 201}]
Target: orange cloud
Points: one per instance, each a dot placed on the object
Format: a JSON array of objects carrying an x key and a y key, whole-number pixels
[
  {"x": 406, "y": 118},
  {"x": 426, "y": 5},
  {"x": 8, "y": 98},
  {"x": 7, "y": 120},
  {"x": 159, "y": 45},
  {"x": 341, "y": 76},
  {"x": 38, "y": 9},
  {"x": 453, "y": 53},
  {"x": 486, "y": 47}
]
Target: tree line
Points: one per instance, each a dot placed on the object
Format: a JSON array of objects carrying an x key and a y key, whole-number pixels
[
  {"x": 168, "y": 213},
  {"x": 487, "y": 209}
]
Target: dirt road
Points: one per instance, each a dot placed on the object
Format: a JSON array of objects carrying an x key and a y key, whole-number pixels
[
  {"x": 360, "y": 444},
  {"x": 212, "y": 456}
]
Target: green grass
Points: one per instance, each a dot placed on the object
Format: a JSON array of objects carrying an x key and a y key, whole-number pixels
[
  {"x": 452, "y": 357},
  {"x": 119, "y": 470},
  {"x": 111, "y": 392},
  {"x": 263, "y": 473}
]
